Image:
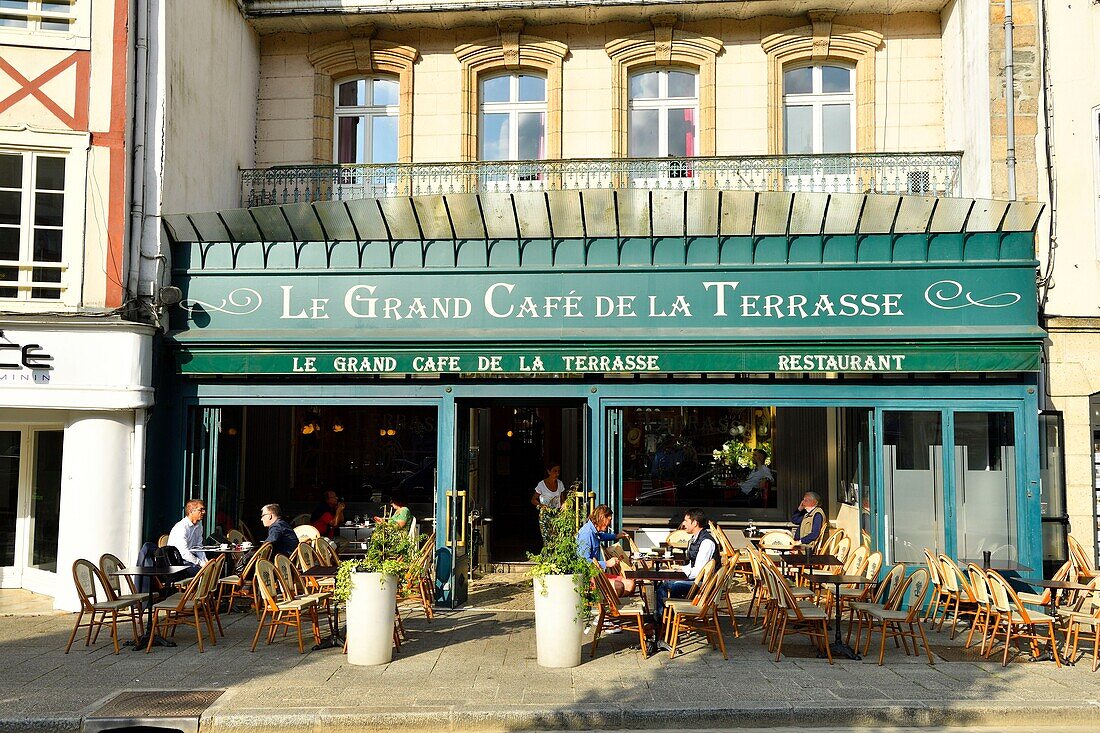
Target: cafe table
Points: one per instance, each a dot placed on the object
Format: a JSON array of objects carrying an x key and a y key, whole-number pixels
[
  {"x": 838, "y": 647},
  {"x": 335, "y": 640},
  {"x": 1001, "y": 566},
  {"x": 150, "y": 572}
]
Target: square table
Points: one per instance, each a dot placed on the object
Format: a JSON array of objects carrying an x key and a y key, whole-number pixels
[
  {"x": 151, "y": 571},
  {"x": 1003, "y": 566},
  {"x": 838, "y": 647}
]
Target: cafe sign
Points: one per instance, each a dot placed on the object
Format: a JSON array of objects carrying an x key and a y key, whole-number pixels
[{"x": 693, "y": 304}]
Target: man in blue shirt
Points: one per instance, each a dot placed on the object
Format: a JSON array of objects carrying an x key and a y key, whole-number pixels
[
  {"x": 589, "y": 538},
  {"x": 279, "y": 532}
]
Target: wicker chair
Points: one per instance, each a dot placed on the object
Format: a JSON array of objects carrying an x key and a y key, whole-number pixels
[
  {"x": 959, "y": 593},
  {"x": 1084, "y": 616},
  {"x": 794, "y": 616},
  {"x": 626, "y": 616},
  {"x": 189, "y": 608},
  {"x": 1010, "y": 613},
  {"x": 110, "y": 564},
  {"x": 900, "y": 619},
  {"x": 242, "y": 586},
  {"x": 937, "y": 592},
  {"x": 97, "y": 601},
  {"x": 979, "y": 586},
  {"x": 880, "y": 598},
  {"x": 1081, "y": 561},
  {"x": 281, "y": 607},
  {"x": 698, "y": 614}
]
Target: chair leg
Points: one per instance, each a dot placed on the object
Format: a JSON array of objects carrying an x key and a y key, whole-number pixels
[
  {"x": 152, "y": 632},
  {"x": 298, "y": 626},
  {"x": 1008, "y": 639},
  {"x": 259, "y": 628},
  {"x": 825, "y": 640},
  {"x": 73, "y": 635},
  {"x": 1054, "y": 645},
  {"x": 781, "y": 632},
  {"x": 198, "y": 627},
  {"x": 114, "y": 629},
  {"x": 882, "y": 646},
  {"x": 924, "y": 639}
]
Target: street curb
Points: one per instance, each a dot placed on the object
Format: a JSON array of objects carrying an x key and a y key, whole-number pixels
[{"x": 916, "y": 713}]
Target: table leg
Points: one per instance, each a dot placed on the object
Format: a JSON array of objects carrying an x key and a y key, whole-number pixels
[
  {"x": 838, "y": 647},
  {"x": 143, "y": 641},
  {"x": 335, "y": 640}
]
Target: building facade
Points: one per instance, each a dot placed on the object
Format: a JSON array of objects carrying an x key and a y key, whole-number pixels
[
  {"x": 1069, "y": 237},
  {"x": 653, "y": 246},
  {"x": 75, "y": 377}
]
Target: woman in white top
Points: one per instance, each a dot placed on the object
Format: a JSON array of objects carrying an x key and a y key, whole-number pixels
[{"x": 548, "y": 499}]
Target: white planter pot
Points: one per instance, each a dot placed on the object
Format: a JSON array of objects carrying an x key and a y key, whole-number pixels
[
  {"x": 370, "y": 614},
  {"x": 558, "y": 631}
]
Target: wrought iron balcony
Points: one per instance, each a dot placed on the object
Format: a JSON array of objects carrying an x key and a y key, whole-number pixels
[{"x": 928, "y": 174}]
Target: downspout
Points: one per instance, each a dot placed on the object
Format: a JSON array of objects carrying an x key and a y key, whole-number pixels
[
  {"x": 137, "y": 480},
  {"x": 1010, "y": 104},
  {"x": 137, "y": 164}
]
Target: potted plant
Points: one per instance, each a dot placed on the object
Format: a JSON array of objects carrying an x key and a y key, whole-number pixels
[
  {"x": 564, "y": 594},
  {"x": 369, "y": 586}
]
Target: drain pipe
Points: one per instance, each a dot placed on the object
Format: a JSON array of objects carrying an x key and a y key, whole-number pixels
[
  {"x": 137, "y": 480},
  {"x": 137, "y": 163},
  {"x": 1010, "y": 104}
]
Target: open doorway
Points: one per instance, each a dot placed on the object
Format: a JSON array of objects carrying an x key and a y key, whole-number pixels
[{"x": 509, "y": 447}]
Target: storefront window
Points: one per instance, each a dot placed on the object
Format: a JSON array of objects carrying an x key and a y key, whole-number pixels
[
  {"x": 10, "y": 441},
  {"x": 1052, "y": 492},
  {"x": 913, "y": 484},
  {"x": 985, "y": 484},
  {"x": 699, "y": 456},
  {"x": 46, "y": 498}
]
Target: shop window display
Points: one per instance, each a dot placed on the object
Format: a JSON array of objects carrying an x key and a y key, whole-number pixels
[{"x": 705, "y": 456}]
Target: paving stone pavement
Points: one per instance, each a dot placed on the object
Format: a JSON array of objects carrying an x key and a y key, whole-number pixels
[{"x": 476, "y": 669}]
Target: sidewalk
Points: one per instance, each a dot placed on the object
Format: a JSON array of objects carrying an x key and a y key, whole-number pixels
[{"x": 476, "y": 669}]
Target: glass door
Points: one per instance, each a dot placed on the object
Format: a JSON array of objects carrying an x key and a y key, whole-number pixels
[
  {"x": 913, "y": 487},
  {"x": 42, "y": 499},
  {"x": 454, "y": 571},
  {"x": 985, "y": 485},
  {"x": 11, "y": 454},
  {"x": 614, "y": 466},
  {"x": 202, "y": 467}
]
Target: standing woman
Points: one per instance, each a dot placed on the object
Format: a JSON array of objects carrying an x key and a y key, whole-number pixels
[{"x": 548, "y": 500}]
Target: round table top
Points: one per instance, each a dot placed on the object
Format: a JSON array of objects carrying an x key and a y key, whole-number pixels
[
  {"x": 842, "y": 579},
  {"x": 152, "y": 571}
]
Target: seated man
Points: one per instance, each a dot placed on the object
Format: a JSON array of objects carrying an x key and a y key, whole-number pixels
[
  {"x": 759, "y": 474},
  {"x": 186, "y": 536},
  {"x": 589, "y": 538},
  {"x": 809, "y": 519},
  {"x": 702, "y": 550},
  {"x": 279, "y": 532}
]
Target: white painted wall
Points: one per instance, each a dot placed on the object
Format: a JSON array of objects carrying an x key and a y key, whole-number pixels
[
  {"x": 95, "y": 510},
  {"x": 1074, "y": 70},
  {"x": 966, "y": 91},
  {"x": 209, "y": 69}
]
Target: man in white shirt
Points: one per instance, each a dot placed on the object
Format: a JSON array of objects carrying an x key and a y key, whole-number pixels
[
  {"x": 759, "y": 474},
  {"x": 186, "y": 536},
  {"x": 702, "y": 550}
]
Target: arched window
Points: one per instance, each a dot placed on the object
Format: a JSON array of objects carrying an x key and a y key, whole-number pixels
[
  {"x": 366, "y": 113},
  {"x": 512, "y": 117},
  {"x": 819, "y": 106},
  {"x": 663, "y": 107}
]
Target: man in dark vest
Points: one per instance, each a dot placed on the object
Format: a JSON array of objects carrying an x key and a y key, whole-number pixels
[
  {"x": 701, "y": 552},
  {"x": 809, "y": 519}
]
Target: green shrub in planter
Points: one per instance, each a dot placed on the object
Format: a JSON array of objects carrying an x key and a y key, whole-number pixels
[
  {"x": 390, "y": 551},
  {"x": 559, "y": 557}
]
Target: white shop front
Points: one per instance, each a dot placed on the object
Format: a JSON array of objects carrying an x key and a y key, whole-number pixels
[{"x": 74, "y": 395}]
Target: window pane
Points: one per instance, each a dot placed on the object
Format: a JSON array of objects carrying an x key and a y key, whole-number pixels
[
  {"x": 913, "y": 483},
  {"x": 798, "y": 81},
  {"x": 10, "y": 202},
  {"x": 8, "y": 275},
  {"x": 47, "y": 245},
  {"x": 9, "y": 493},
  {"x": 55, "y": 25},
  {"x": 8, "y": 21},
  {"x": 57, "y": 6},
  {"x": 383, "y": 139},
  {"x": 11, "y": 171},
  {"x": 14, "y": 4},
  {"x": 494, "y": 137},
  {"x": 836, "y": 133},
  {"x": 495, "y": 89},
  {"x": 681, "y": 132},
  {"x": 48, "y": 209},
  {"x": 532, "y": 89},
  {"x": 1052, "y": 472},
  {"x": 985, "y": 484},
  {"x": 644, "y": 133},
  {"x": 798, "y": 130},
  {"x": 51, "y": 174},
  {"x": 9, "y": 243},
  {"x": 531, "y": 135},
  {"x": 46, "y": 498},
  {"x": 681, "y": 84},
  {"x": 347, "y": 147},
  {"x": 836, "y": 79},
  {"x": 353, "y": 93},
  {"x": 46, "y": 275},
  {"x": 645, "y": 85},
  {"x": 385, "y": 92}
]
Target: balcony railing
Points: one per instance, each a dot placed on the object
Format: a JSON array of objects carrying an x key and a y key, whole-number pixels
[{"x": 926, "y": 174}]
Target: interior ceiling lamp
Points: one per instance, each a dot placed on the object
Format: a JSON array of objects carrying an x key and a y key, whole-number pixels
[{"x": 337, "y": 427}]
